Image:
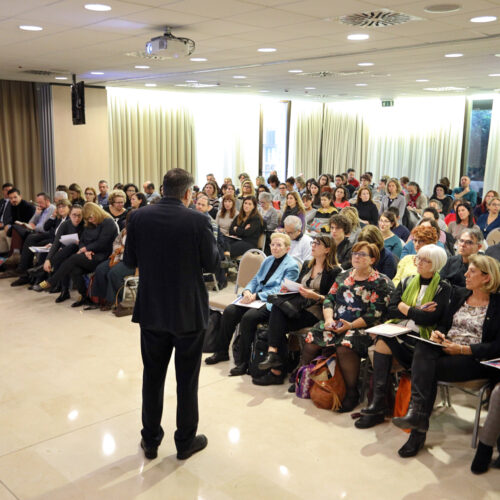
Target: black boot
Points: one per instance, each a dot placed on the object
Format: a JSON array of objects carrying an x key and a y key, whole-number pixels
[
  {"x": 414, "y": 444},
  {"x": 272, "y": 360},
  {"x": 350, "y": 401},
  {"x": 496, "y": 463},
  {"x": 239, "y": 370},
  {"x": 482, "y": 459},
  {"x": 416, "y": 418},
  {"x": 63, "y": 296}
]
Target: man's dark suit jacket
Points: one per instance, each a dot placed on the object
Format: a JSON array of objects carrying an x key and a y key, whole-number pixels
[{"x": 172, "y": 246}]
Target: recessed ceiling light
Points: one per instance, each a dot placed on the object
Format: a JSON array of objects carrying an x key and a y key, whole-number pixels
[
  {"x": 264, "y": 91},
  {"x": 97, "y": 7},
  {"x": 198, "y": 59},
  {"x": 309, "y": 88},
  {"x": 361, "y": 84},
  {"x": 242, "y": 86},
  {"x": 142, "y": 66},
  {"x": 266, "y": 49},
  {"x": 191, "y": 81},
  {"x": 445, "y": 89},
  {"x": 483, "y": 19},
  {"x": 494, "y": 74},
  {"x": 26, "y": 27},
  {"x": 422, "y": 80},
  {"x": 150, "y": 85},
  {"x": 61, "y": 78},
  {"x": 294, "y": 71},
  {"x": 458, "y": 54},
  {"x": 365, "y": 64},
  {"x": 239, "y": 77},
  {"x": 442, "y": 8},
  {"x": 358, "y": 36},
  {"x": 96, "y": 73}
]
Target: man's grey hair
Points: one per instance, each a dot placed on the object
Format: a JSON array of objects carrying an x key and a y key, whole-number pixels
[
  {"x": 293, "y": 221},
  {"x": 476, "y": 233},
  {"x": 60, "y": 195},
  {"x": 265, "y": 197}
]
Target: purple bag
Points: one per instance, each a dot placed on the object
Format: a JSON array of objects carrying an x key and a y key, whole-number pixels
[{"x": 303, "y": 381}]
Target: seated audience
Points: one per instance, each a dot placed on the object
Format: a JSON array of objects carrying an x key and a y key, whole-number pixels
[
  {"x": 102, "y": 197},
  {"x": 210, "y": 189},
  {"x": 150, "y": 193},
  {"x": 226, "y": 214},
  {"x": 469, "y": 243},
  {"x": 314, "y": 191},
  {"x": 464, "y": 192},
  {"x": 280, "y": 196},
  {"x": 491, "y": 220},
  {"x": 352, "y": 214},
  {"x": 404, "y": 184},
  {"x": 300, "y": 247},
  {"x": 246, "y": 227},
  {"x": 422, "y": 235},
  {"x": 116, "y": 207},
  {"x": 341, "y": 197},
  {"x": 340, "y": 228},
  {"x": 416, "y": 201},
  {"x": 129, "y": 189},
  {"x": 468, "y": 333},
  {"x": 309, "y": 210},
  {"x": 301, "y": 185},
  {"x": 351, "y": 179},
  {"x": 358, "y": 299},
  {"x": 320, "y": 223},
  {"x": 273, "y": 183},
  {"x": 4, "y": 203},
  {"x": 402, "y": 232},
  {"x": 247, "y": 188},
  {"x": 446, "y": 183},
  {"x": 439, "y": 194},
  {"x": 482, "y": 208},
  {"x": 367, "y": 210},
  {"x": 365, "y": 183},
  {"x": 464, "y": 220},
  {"x": 409, "y": 247},
  {"x": 418, "y": 303},
  {"x": 493, "y": 251},
  {"x": 386, "y": 263},
  {"x": 294, "y": 206},
  {"x": 267, "y": 281},
  {"x": 452, "y": 216},
  {"x": 391, "y": 242},
  {"x": 290, "y": 184},
  {"x": 323, "y": 181},
  {"x": 489, "y": 436},
  {"x": 316, "y": 278},
  {"x": 432, "y": 212},
  {"x": 138, "y": 200},
  {"x": 96, "y": 243},
  {"x": 90, "y": 195},
  {"x": 75, "y": 194},
  {"x": 393, "y": 198}
]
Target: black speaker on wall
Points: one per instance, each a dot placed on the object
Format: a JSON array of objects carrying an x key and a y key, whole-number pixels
[{"x": 78, "y": 102}]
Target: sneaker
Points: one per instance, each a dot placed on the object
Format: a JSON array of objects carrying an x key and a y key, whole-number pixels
[{"x": 269, "y": 379}]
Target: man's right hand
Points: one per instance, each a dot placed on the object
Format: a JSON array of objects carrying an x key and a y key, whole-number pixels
[{"x": 47, "y": 266}]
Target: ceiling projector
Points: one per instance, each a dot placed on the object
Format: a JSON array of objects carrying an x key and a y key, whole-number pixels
[{"x": 170, "y": 46}]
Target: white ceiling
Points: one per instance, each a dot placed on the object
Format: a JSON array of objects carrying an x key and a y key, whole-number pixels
[{"x": 307, "y": 35}]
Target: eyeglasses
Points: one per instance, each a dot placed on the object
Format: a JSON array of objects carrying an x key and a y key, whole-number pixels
[
  {"x": 317, "y": 242},
  {"x": 360, "y": 254},
  {"x": 423, "y": 260},
  {"x": 466, "y": 242}
]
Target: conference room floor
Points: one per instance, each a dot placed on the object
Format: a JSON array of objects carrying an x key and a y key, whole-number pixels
[{"x": 70, "y": 419}]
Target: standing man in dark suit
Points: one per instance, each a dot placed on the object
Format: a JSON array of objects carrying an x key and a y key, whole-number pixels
[{"x": 172, "y": 246}]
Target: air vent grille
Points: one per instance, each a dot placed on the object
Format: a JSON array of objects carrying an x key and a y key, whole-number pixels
[{"x": 377, "y": 19}]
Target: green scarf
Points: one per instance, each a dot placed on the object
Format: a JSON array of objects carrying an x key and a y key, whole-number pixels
[{"x": 410, "y": 295}]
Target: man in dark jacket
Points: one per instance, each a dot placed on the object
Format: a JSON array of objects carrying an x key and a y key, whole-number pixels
[{"x": 172, "y": 246}]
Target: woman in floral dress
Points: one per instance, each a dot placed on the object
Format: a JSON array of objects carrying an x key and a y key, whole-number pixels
[{"x": 357, "y": 300}]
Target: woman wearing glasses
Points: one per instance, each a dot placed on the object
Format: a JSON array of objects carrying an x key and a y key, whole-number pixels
[
  {"x": 316, "y": 278},
  {"x": 489, "y": 221},
  {"x": 358, "y": 299}
]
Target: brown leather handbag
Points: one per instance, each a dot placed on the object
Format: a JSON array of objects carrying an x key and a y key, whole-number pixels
[{"x": 328, "y": 391}]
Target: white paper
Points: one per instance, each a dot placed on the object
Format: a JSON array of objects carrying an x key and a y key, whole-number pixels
[
  {"x": 388, "y": 330},
  {"x": 256, "y": 304},
  {"x": 40, "y": 249},
  {"x": 493, "y": 363},
  {"x": 67, "y": 239},
  {"x": 425, "y": 340},
  {"x": 290, "y": 285}
]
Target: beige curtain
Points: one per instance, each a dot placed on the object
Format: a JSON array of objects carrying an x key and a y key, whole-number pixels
[
  {"x": 305, "y": 138},
  {"x": 20, "y": 156},
  {"x": 150, "y": 133},
  {"x": 419, "y": 138},
  {"x": 492, "y": 169},
  {"x": 345, "y": 139}
]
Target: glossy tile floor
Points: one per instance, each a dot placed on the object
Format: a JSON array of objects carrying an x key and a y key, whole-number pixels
[{"x": 70, "y": 421}]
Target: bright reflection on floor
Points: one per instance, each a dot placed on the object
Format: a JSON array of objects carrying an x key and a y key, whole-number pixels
[
  {"x": 108, "y": 444},
  {"x": 121, "y": 374},
  {"x": 73, "y": 415},
  {"x": 284, "y": 470},
  {"x": 234, "y": 435}
]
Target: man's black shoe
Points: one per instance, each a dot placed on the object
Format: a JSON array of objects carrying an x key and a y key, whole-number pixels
[
  {"x": 272, "y": 360},
  {"x": 238, "y": 370},
  {"x": 23, "y": 280},
  {"x": 269, "y": 379},
  {"x": 199, "y": 443},
  {"x": 150, "y": 452},
  {"x": 217, "y": 357}
]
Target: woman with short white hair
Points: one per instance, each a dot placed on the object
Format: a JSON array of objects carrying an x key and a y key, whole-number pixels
[
  {"x": 270, "y": 215},
  {"x": 418, "y": 303}
]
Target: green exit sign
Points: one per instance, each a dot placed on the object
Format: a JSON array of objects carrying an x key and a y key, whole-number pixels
[{"x": 387, "y": 103}]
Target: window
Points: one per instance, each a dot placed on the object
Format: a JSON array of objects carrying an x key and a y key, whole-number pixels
[
  {"x": 478, "y": 134},
  {"x": 275, "y": 139}
]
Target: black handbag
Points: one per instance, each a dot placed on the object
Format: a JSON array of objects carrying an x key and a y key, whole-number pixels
[{"x": 291, "y": 304}]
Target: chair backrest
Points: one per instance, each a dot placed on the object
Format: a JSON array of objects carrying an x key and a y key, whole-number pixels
[
  {"x": 249, "y": 265},
  {"x": 493, "y": 237},
  {"x": 261, "y": 243}
]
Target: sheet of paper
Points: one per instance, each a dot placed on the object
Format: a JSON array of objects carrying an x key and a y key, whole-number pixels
[
  {"x": 425, "y": 340},
  {"x": 256, "y": 304},
  {"x": 493, "y": 363},
  {"x": 67, "y": 239},
  {"x": 40, "y": 249},
  {"x": 290, "y": 285},
  {"x": 388, "y": 330}
]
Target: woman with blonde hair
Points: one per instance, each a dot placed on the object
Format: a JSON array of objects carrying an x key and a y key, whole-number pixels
[
  {"x": 467, "y": 334},
  {"x": 75, "y": 194},
  {"x": 95, "y": 245},
  {"x": 352, "y": 214},
  {"x": 294, "y": 206}
]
